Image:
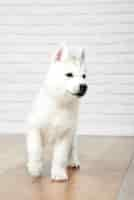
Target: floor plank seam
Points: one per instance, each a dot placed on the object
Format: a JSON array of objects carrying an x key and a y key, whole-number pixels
[{"x": 125, "y": 174}]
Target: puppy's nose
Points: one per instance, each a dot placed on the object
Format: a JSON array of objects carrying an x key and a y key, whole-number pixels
[{"x": 83, "y": 89}]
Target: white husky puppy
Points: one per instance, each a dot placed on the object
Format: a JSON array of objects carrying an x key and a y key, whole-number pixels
[{"x": 55, "y": 114}]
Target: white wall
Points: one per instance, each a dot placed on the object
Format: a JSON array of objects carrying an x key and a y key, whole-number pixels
[{"x": 30, "y": 29}]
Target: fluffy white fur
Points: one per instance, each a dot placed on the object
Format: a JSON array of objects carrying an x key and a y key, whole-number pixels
[{"x": 54, "y": 115}]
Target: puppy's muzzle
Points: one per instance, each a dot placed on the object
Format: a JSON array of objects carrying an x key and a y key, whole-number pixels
[{"x": 82, "y": 90}]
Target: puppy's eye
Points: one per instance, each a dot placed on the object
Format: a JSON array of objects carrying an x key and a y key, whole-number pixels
[
  {"x": 70, "y": 75},
  {"x": 84, "y": 76}
]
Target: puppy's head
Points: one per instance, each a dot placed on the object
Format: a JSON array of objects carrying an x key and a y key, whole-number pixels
[{"x": 67, "y": 75}]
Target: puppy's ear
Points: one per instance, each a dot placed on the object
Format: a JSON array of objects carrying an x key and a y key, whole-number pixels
[
  {"x": 82, "y": 56},
  {"x": 61, "y": 53}
]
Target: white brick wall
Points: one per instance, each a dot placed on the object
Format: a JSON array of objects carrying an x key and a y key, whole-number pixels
[{"x": 30, "y": 30}]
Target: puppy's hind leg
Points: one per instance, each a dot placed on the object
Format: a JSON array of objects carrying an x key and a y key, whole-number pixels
[
  {"x": 35, "y": 152},
  {"x": 74, "y": 160}
]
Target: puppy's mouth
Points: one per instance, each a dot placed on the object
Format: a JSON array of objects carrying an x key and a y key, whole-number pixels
[{"x": 78, "y": 94}]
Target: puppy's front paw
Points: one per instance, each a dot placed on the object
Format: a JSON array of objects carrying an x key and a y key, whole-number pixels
[
  {"x": 59, "y": 174},
  {"x": 35, "y": 168}
]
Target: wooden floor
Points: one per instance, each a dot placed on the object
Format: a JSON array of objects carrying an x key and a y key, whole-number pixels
[{"x": 104, "y": 165}]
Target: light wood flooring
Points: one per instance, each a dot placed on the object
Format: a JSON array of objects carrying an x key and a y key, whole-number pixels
[{"x": 105, "y": 163}]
